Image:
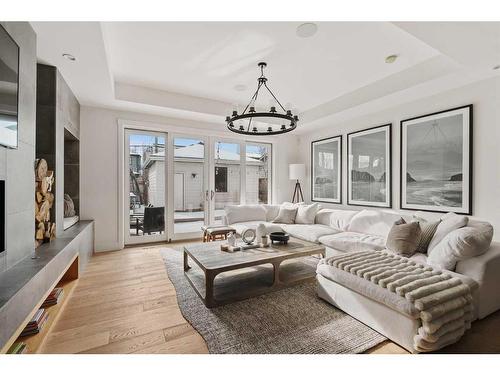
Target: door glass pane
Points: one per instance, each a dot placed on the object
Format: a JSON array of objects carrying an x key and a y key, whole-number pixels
[
  {"x": 258, "y": 173},
  {"x": 189, "y": 192},
  {"x": 147, "y": 184},
  {"x": 227, "y": 177}
]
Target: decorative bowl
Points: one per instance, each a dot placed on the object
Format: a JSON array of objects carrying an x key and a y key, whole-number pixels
[{"x": 280, "y": 237}]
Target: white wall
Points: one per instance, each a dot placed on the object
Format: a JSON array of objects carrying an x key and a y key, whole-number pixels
[
  {"x": 99, "y": 159},
  {"x": 484, "y": 95}
]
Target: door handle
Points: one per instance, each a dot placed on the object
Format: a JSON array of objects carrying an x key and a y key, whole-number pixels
[
  {"x": 206, "y": 195},
  {"x": 212, "y": 195}
]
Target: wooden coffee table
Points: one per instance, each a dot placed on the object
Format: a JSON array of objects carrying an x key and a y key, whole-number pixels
[{"x": 212, "y": 262}]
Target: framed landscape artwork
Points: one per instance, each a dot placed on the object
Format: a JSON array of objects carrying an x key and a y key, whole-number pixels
[
  {"x": 436, "y": 161},
  {"x": 369, "y": 177},
  {"x": 326, "y": 170}
]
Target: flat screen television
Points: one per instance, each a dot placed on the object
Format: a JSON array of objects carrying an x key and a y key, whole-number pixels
[{"x": 9, "y": 86}]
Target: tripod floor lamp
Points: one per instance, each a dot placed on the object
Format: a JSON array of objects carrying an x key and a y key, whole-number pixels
[{"x": 297, "y": 172}]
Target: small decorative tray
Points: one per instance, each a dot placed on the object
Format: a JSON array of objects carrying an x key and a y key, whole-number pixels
[{"x": 280, "y": 237}]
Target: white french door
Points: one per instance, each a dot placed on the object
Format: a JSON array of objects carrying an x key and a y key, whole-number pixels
[
  {"x": 227, "y": 185},
  {"x": 190, "y": 207},
  {"x": 175, "y": 183},
  {"x": 145, "y": 186}
]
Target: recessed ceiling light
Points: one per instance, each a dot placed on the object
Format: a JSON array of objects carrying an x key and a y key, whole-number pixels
[
  {"x": 496, "y": 67},
  {"x": 240, "y": 87},
  {"x": 306, "y": 30},
  {"x": 69, "y": 57},
  {"x": 390, "y": 59}
]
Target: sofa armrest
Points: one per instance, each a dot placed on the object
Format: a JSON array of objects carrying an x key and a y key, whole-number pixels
[{"x": 485, "y": 270}]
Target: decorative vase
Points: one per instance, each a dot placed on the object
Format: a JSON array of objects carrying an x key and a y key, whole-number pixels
[
  {"x": 231, "y": 239},
  {"x": 261, "y": 231}
]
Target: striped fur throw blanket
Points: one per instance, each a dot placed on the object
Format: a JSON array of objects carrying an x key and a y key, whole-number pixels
[{"x": 444, "y": 301}]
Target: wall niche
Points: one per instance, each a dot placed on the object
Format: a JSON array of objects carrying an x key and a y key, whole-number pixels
[
  {"x": 71, "y": 179},
  {"x": 57, "y": 140}
]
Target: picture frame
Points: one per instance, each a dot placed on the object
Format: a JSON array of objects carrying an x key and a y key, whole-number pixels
[
  {"x": 326, "y": 170},
  {"x": 369, "y": 177},
  {"x": 436, "y": 161},
  {"x": 10, "y": 60}
]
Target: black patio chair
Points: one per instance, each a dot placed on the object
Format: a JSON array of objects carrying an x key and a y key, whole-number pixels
[{"x": 154, "y": 220}]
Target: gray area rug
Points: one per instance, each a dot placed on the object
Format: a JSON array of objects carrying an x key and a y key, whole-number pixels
[{"x": 292, "y": 320}]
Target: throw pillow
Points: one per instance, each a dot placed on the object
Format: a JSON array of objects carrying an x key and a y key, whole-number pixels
[
  {"x": 272, "y": 210},
  {"x": 286, "y": 216},
  {"x": 427, "y": 230},
  {"x": 403, "y": 238},
  {"x": 449, "y": 222},
  {"x": 460, "y": 244},
  {"x": 306, "y": 213}
]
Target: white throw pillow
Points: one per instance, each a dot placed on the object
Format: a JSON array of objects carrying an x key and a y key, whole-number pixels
[
  {"x": 239, "y": 214},
  {"x": 449, "y": 222},
  {"x": 292, "y": 205},
  {"x": 306, "y": 213},
  {"x": 272, "y": 210},
  {"x": 286, "y": 215},
  {"x": 460, "y": 244}
]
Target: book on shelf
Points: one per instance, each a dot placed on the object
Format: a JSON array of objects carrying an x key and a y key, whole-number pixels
[
  {"x": 54, "y": 297},
  {"x": 36, "y": 323},
  {"x": 17, "y": 348}
]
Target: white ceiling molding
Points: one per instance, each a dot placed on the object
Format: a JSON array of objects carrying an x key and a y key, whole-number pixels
[
  {"x": 433, "y": 68},
  {"x": 88, "y": 76},
  {"x": 161, "y": 98},
  {"x": 472, "y": 44},
  {"x": 189, "y": 70}
]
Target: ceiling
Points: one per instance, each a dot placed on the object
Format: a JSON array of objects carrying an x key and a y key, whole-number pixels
[{"x": 200, "y": 71}]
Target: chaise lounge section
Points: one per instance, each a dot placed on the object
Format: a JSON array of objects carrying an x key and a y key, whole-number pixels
[{"x": 349, "y": 231}]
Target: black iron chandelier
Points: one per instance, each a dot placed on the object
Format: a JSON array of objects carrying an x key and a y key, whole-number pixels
[{"x": 276, "y": 122}]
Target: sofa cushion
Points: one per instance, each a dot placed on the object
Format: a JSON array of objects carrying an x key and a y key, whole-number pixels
[
  {"x": 353, "y": 241},
  {"x": 270, "y": 227},
  {"x": 449, "y": 222},
  {"x": 338, "y": 219},
  {"x": 460, "y": 244},
  {"x": 311, "y": 232},
  {"x": 419, "y": 258},
  {"x": 306, "y": 213},
  {"x": 368, "y": 289},
  {"x": 243, "y": 213},
  {"x": 377, "y": 223}
]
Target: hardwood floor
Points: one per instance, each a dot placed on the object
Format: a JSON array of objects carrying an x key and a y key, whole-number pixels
[{"x": 125, "y": 303}]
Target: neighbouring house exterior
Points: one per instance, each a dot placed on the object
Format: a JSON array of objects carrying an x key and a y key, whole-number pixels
[{"x": 189, "y": 174}]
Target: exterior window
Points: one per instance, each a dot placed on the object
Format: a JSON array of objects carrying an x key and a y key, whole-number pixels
[
  {"x": 258, "y": 173},
  {"x": 221, "y": 179}
]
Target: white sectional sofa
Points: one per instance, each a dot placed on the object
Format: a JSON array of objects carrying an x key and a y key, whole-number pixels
[{"x": 342, "y": 231}]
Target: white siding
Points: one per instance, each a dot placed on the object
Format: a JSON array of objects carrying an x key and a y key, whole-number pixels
[
  {"x": 193, "y": 184},
  {"x": 156, "y": 184}
]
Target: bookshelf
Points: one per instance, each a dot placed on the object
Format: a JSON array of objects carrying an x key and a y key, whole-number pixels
[{"x": 67, "y": 280}]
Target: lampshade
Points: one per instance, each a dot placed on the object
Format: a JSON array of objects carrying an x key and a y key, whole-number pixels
[{"x": 297, "y": 171}]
